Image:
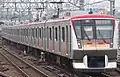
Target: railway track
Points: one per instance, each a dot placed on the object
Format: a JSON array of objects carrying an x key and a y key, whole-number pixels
[
  {"x": 7, "y": 69},
  {"x": 115, "y": 73},
  {"x": 58, "y": 71},
  {"x": 23, "y": 67},
  {"x": 111, "y": 74}
]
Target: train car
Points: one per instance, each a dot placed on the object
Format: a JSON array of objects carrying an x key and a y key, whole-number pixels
[
  {"x": 88, "y": 43},
  {"x": 97, "y": 41}
]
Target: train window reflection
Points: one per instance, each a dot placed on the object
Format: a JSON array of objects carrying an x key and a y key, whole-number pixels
[
  {"x": 104, "y": 32},
  {"x": 78, "y": 31},
  {"x": 63, "y": 33},
  {"x": 93, "y": 28},
  {"x": 88, "y": 31},
  {"x": 56, "y": 36},
  {"x": 50, "y": 35}
]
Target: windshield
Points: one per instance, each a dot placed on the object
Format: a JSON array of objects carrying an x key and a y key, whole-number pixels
[
  {"x": 88, "y": 29},
  {"x": 105, "y": 28},
  {"x": 77, "y": 28},
  {"x": 88, "y": 32}
]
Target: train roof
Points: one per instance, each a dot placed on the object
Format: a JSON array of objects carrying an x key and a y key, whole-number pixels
[
  {"x": 92, "y": 16},
  {"x": 69, "y": 18}
]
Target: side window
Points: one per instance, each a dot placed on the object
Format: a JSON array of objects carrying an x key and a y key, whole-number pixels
[
  {"x": 14, "y": 31},
  {"x": 47, "y": 33},
  {"x": 40, "y": 32},
  {"x": 24, "y": 32},
  {"x": 53, "y": 32},
  {"x": 27, "y": 31},
  {"x": 7, "y": 30},
  {"x": 35, "y": 32},
  {"x": 32, "y": 32},
  {"x": 56, "y": 34},
  {"x": 11, "y": 31},
  {"x": 66, "y": 33},
  {"x": 59, "y": 33},
  {"x": 50, "y": 35},
  {"x": 63, "y": 34},
  {"x": 17, "y": 31}
]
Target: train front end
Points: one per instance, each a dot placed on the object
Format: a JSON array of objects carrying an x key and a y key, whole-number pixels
[{"x": 94, "y": 43}]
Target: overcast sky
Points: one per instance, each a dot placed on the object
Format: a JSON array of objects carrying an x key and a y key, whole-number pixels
[{"x": 117, "y": 2}]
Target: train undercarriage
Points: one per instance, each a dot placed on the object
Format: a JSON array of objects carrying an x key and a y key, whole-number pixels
[{"x": 42, "y": 55}]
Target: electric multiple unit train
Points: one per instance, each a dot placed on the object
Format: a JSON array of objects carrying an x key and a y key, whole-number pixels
[{"x": 89, "y": 42}]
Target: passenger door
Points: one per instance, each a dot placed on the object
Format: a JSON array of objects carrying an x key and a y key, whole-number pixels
[{"x": 44, "y": 38}]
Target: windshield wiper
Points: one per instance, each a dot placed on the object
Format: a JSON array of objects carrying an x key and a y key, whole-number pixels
[
  {"x": 86, "y": 35},
  {"x": 101, "y": 36}
]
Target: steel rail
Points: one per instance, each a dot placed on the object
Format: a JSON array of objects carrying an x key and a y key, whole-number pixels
[{"x": 19, "y": 69}]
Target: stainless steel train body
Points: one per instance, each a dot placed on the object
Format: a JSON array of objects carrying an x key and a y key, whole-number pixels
[{"x": 90, "y": 41}]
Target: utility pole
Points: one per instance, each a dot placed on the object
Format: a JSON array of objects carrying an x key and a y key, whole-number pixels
[
  {"x": 29, "y": 14},
  {"x": 112, "y": 7},
  {"x": 7, "y": 13},
  {"x": 59, "y": 8},
  {"x": 81, "y": 3}
]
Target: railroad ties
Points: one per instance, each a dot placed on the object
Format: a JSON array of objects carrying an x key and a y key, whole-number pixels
[
  {"x": 23, "y": 67},
  {"x": 28, "y": 67},
  {"x": 32, "y": 68}
]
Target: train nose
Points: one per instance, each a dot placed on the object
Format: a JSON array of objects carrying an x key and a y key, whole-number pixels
[
  {"x": 91, "y": 62},
  {"x": 94, "y": 64},
  {"x": 96, "y": 61}
]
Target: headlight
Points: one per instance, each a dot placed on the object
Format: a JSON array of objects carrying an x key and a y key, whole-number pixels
[{"x": 79, "y": 45}]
